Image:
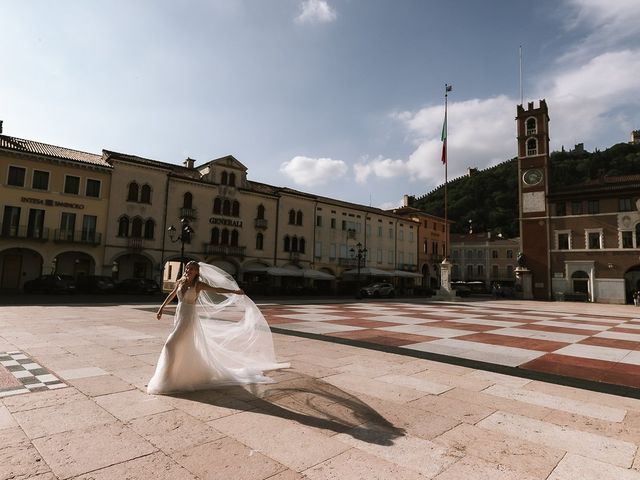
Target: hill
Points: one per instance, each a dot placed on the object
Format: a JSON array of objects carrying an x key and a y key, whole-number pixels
[{"x": 488, "y": 199}]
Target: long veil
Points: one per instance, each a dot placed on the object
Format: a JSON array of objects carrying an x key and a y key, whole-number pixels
[{"x": 236, "y": 337}]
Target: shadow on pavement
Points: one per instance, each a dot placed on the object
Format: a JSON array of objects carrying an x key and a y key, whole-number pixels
[{"x": 308, "y": 401}]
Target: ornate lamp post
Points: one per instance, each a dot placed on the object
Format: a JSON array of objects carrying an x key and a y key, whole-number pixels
[
  {"x": 360, "y": 254},
  {"x": 185, "y": 237}
]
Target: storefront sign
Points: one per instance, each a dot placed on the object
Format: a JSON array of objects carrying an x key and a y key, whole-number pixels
[
  {"x": 51, "y": 203},
  {"x": 225, "y": 221}
]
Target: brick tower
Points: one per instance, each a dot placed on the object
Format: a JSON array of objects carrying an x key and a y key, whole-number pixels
[{"x": 533, "y": 187}]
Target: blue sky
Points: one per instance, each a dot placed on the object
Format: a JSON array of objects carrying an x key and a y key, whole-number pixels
[{"x": 342, "y": 98}]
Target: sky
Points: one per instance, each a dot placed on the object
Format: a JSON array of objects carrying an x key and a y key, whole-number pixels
[{"x": 340, "y": 98}]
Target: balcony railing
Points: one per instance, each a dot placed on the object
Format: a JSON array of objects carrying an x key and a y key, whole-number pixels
[
  {"x": 89, "y": 237},
  {"x": 227, "y": 250},
  {"x": 348, "y": 262},
  {"x": 261, "y": 223},
  {"x": 135, "y": 243},
  {"x": 190, "y": 213},
  {"x": 25, "y": 232}
]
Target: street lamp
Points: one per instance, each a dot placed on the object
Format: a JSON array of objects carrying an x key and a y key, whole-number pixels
[
  {"x": 185, "y": 237},
  {"x": 359, "y": 253}
]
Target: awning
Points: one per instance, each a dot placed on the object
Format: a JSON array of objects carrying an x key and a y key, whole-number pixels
[
  {"x": 284, "y": 272},
  {"x": 368, "y": 271},
  {"x": 255, "y": 268},
  {"x": 316, "y": 274},
  {"x": 403, "y": 273}
]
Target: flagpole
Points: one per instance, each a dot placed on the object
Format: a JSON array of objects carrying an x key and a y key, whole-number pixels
[{"x": 447, "y": 89}]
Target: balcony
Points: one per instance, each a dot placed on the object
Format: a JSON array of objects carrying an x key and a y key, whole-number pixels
[
  {"x": 348, "y": 262},
  {"x": 261, "y": 223},
  {"x": 225, "y": 250},
  {"x": 25, "y": 233},
  {"x": 86, "y": 237},
  {"x": 135, "y": 243},
  {"x": 190, "y": 213}
]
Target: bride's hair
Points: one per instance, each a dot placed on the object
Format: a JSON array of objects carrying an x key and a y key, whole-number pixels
[{"x": 182, "y": 281}]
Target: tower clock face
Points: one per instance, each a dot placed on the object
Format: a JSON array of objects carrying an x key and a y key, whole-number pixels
[{"x": 533, "y": 176}]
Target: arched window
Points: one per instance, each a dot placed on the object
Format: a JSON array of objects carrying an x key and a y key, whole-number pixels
[
  {"x": 299, "y": 217},
  {"x": 223, "y": 178},
  {"x": 145, "y": 194},
  {"x": 294, "y": 244},
  {"x": 226, "y": 207},
  {"x": 149, "y": 229},
  {"x": 637, "y": 235},
  {"x": 133, "y": 192},
  {"x": 259, "y": 241},
  {"x": 187, "y": 200},
  {"x": 123, "y": 227},
  {"x": 234, "y": 238},
  {"x": 235, "y": 209},
  {"x": 225, "y": 237},
  {"x": 261, "y": 212},
  {"x": 215, "y": 236},
  {"x": 217, "y": 205},
  {"x": 292, "y": 217},
  {"x": 287, "y": 243},
  {"x": 532, "y": 146},
  {"x": 301, "y": 245},
  {"x": 531, "y": 126},
  {"x": 136, "y": 228},
  {"x": 232, "y": 179}
]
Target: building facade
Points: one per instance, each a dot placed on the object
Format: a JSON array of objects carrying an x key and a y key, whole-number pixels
[{"x": 580, "y": 241}]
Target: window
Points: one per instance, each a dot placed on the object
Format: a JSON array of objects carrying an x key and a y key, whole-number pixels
[
  {"x": 368, "y": 230},
  {"x": 292, "y": 217},
  {"x": 379, "y": 255},
  {"x": 89, "y": 223},
  {"x": 494, "y": 253},
  {"x": 509, "y": 253},
  {"x": 72, "y": 185},
  {"x": 226, "y": 207},
  {"x": 35, "y": 228},
  {"x": 561, "y": 209},
  {"x": 593, "y": 206},
  {"x": 576, "y": 207},
  {"x": 149, "y": 229},
  {"x": 215, "y": 236},
  {"x": 287, "y": 243},
  {"x": 318, "y": 249},
  {"x": 294, "y": 244},
  {"x": 259, "y": 241},
  {"x": 234, "y": 237},
  {"x": 318, "y": 220},
  {"x": 624, "y": 205},
  {"x": 480, "y": 253},
  {"x": 123, "y": 227},
  {"x": 132, "y": 194},
  {"x": 332, "y": 251},
  {"x": 480, "y": 270},
  {"x": 390, "y": 257},
  {"x": 261, "y": 212},
  {"x": 411, "y": 235},
  {"x": 531, "y": 126},
  {"x": 593, "y": 240},
  {"x": 469, "y": 271},
  {"x": 391, "y": 233},
  {"x": 93, "y": 189},
  {"x": 16, "y": 176},
  {"x": 224, "y": 178},
  {"x": 232, "y": 179},
  {"x": 563, "y": 241},
  {"x": 379, "y": 230},
  {"x": 217, "y": 205},
  {"x": 136, "y": 228},
  {"x": 333, "y": 223},
  {"x": 401, "y": 235},
  {"x": 40, "y": 180},
  {"x": 510, "y": 271},
  {"x": 67, "y": 226},
  {"x": 301, "y": 245},
  {"x": 299, "y": 217},
  {"x": 469, "y": 254},
  {"x": 495, "y": 273},
  {"x": 532, "y": 146},
  {"x": 627, "y": 239},
  {"x": 187, "y": 198},
  {"x": 235, "y": 209},
  {"x": 224, "y": 238}
]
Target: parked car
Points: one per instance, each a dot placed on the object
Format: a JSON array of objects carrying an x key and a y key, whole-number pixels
[
  {"x": 461, "y": 289},
  {"x": 145, "y": 286},
  {"x": 50, "y": 284},
  {"x": 378, "y": 290},
  {"x": 96, "y": 284}
]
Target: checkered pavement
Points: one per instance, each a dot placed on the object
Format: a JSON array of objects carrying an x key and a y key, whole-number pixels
[
  {"x": 596, "y": 348},
  {"x": 21, "y": 374}
]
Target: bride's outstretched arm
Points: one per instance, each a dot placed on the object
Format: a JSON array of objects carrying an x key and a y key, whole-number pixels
[
  {"x": 209, "y": 288},
  {"x": 170, "y": 297}
]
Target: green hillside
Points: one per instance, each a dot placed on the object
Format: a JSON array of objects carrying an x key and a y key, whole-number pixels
[{"x": 489, "y": 198}]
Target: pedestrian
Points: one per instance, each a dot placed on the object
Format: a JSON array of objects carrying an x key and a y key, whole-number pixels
[
  {"x": 636, "y": 298},
  {"x": 213, "y": 343}
]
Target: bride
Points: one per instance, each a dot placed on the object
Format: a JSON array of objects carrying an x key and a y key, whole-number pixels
[{"x": 213, "y": 343}]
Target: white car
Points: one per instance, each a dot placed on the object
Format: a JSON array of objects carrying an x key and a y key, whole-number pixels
[{"x": 378, "y": 290}]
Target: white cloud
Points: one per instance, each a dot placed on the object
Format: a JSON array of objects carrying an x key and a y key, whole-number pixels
[
  {"x": 313, "y": 171},
  {"x": 316, "y": 11},
  {"x": 380, "y": 167}
]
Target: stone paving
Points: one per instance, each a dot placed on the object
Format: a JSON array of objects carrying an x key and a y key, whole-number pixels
[{"x": 340, "y": 411}]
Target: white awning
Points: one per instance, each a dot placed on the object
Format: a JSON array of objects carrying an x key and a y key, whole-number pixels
[
  {"x": 402, "y": 273},
  {"x": 284, "y": 272},
  {"x": 316, "y": 274},
  {"x": 255, "y": 268},
  {"x": 368, "y": 271}
]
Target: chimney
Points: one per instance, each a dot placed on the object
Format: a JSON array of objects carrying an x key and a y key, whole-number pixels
[
  {"x": 405, "y": 200},
  {"x": 0, "y": 127},
  {"x": 188, "y": 162}
]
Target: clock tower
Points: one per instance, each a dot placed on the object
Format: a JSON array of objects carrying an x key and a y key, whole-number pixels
[{"x": 533, "y": 188}]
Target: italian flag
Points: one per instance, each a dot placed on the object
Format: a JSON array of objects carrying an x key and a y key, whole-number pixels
[{"x": 444, "y": 139}]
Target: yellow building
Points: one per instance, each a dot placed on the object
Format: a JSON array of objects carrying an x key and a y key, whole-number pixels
[{"x": 54, "y": 211}]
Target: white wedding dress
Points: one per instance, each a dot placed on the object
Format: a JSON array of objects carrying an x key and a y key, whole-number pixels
[{"x": 214, "y": 344}]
